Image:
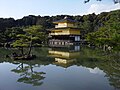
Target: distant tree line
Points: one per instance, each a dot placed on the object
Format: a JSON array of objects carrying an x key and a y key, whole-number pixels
[
  {"x": 107, "y": 35},
  {"x": 96, "y": 29}
]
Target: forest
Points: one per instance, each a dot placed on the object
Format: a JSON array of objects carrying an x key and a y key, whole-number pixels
[{"x": 101, "y": 30}]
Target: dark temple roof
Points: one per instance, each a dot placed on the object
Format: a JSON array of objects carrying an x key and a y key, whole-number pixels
[{"x": 66, "y": 19}]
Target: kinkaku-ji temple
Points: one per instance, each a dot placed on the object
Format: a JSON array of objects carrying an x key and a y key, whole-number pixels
[{"x": 65, "y": 33}]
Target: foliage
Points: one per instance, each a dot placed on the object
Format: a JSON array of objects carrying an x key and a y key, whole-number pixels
[
  {"x": 100, "y": 29},
  {"x": 33, "y": 35},
  {"x": 11, "y": 33},
  {"x": 115, "y": 1},
  {"x": 109, "y": 33}
]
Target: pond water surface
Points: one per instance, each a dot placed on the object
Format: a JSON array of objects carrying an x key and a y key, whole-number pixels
[{"x": 61, "y": 69}]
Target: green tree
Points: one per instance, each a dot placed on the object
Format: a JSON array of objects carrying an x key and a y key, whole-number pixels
[
  {"x": 32, "y": 37},
  {"x": 109, "y": 32},
  {"x": 11, "y": 33}
]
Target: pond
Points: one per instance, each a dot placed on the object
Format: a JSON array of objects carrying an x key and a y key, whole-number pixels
[{"x": 70, "y": 68}]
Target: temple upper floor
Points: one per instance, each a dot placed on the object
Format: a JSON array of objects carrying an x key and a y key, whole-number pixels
[
  {"x": 66, "y": 22},
  {"x": 62, "y": 25}
]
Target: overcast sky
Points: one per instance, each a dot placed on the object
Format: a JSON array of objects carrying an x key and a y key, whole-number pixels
[{"x": 19, "y": 8}]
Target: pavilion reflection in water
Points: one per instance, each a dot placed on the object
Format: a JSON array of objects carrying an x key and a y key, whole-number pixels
[{"x": 65, "y": 56}]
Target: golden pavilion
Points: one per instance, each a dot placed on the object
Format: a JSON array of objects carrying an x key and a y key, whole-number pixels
[{"x": 65, "y": 33}]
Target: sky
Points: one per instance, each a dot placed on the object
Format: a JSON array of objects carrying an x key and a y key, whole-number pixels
[{"x": 20, "y": 8}]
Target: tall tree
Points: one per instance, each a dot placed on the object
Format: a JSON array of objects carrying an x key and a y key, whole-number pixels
[{"x": 33, "y": 36}]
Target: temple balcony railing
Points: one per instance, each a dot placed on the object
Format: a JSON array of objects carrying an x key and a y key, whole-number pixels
[
  {"x": 63, "y": 26},
  {"x": 59, "y": 33},
  {"x": 60, "y": 26},
  {"x": 65, "y": 33},
  {"x": 57, "y": 40}
]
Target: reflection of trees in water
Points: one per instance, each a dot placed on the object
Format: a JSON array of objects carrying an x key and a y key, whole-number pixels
[
  {"x": 110, "y": 67},
  {"x": 106, "y": 61},
  {"x": 25, "y": 69},
  {"x": 110, "y": 64},
  {"x": 28, "y": 75},
  {"x": 112, "y": 70}
]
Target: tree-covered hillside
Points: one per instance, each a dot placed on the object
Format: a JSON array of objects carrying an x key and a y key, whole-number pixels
[
  {"x": 99, "y": 28},
  {"x": 108, "y": 34}
]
